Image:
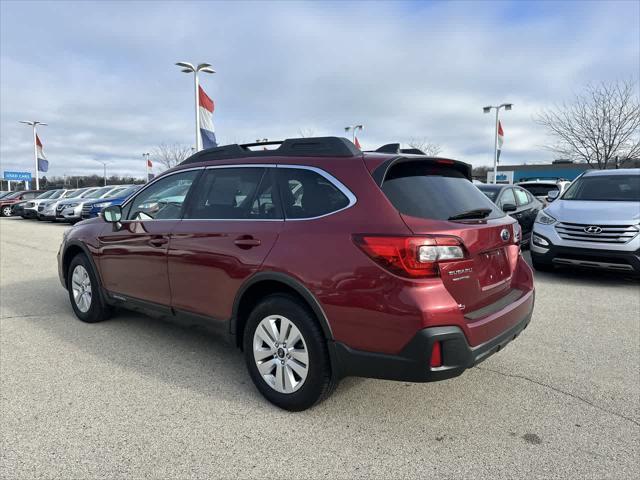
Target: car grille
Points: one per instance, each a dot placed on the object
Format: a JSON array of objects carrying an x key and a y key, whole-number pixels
[
  {"x": 596, "y": 233},
  {"x": 59, "y": 208},
  {"x": 86, "y": 210}
]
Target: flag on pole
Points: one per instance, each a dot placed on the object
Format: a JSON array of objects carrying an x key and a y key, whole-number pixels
[
  {"x": 357, "y": 143},
  {"x": 43, "y": 163},
  {"x": 207, "y": 132},
  {"x": 149, "y": 163},
  {"x": 500, "y": 139}
]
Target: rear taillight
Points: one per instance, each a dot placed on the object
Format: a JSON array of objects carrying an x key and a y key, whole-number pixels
[{"x": 415, "y": 257}]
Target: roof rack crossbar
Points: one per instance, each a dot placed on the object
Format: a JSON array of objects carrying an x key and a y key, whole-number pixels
[{"x": 309, "y": 147}]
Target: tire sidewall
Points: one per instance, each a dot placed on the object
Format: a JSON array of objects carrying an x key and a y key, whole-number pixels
[
  {"x": 6, "y": 211},
  {"x": 96, "y": 311},
  {"x": 319, "y": 367}
]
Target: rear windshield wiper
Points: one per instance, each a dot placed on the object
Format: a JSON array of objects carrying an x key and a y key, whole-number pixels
[{"x": 476, "y": 213}]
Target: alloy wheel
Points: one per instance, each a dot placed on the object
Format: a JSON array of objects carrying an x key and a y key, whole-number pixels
[
  {"x": 6, "y": 211},
  {"x": 281, "y": 354},
  {"x": 81, "y": 287}
]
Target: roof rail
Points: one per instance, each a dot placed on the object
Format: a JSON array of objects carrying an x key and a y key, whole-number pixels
[{"x": 298, "y": 147}]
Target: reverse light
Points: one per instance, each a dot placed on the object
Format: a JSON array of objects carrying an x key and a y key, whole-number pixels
[
  {"x": 544, "y": 218},
  {"x": 415, "y": 257}
]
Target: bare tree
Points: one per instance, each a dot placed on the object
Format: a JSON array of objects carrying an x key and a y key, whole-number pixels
[
  {"x": 170, "y": 155},
  {"x": 598, "y": 125},
  {"x": 430, "y": 149}
]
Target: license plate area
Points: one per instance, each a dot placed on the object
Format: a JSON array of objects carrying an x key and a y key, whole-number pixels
[{"x": 495, "y": 269}]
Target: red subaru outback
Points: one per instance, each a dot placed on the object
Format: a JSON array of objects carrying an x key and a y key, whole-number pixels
[{"x": 320, "y": 261}]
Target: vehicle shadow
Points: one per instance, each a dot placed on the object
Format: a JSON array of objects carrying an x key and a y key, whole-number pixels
[{"x": 190, "y": 357}]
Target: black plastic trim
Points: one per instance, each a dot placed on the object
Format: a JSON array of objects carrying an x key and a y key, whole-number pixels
[
  {"x": 289, "y": 281},
  {"x": 412, "y": 363},
  {"x": 380, "y": 173}
]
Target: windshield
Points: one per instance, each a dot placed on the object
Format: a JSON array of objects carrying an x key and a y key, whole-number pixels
[
  {"x": 439, "y": 193},
  {"x": 122, "y": 192},
  {"x": 88, "y": 194},
  {"x": 13, "y": 195},
  {"x": 46, "y": 194},
  {"x": 491, "y": 193},
  {"x": 57, "y": 194},
  {"x": 101, "y": 191},
  {"x": 74, "y": 193},
  {"x": 605, "y": 188}
]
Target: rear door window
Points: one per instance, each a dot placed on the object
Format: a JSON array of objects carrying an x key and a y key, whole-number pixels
[
  {"x": 307, "y": 194},
  {"x": 423, "y": 190}
]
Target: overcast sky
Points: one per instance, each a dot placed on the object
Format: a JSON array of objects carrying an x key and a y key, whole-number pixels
[{"x": 102, "y": 74}]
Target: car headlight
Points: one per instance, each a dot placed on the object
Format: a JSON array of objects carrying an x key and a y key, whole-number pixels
[
  {"x": 544, "y": 218},
  {"x": 101, "y": 204},
  {"x": 71, "y": 205}
]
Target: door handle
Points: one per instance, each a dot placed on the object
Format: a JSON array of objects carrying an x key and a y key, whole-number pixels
[
  {"x": 246, "y": 242},
  {"x": 158, "y": 241}
]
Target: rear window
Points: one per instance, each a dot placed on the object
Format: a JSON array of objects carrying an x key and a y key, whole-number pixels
[
  {"x": 491, "y": 193},
  {"x": 540, "y": 190},
  {"x": 611, "y": 188},
  {"x": 437, "y": 193}
]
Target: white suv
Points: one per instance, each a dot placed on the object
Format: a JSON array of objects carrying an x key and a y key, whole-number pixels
[{"x": 595, "y": 223}]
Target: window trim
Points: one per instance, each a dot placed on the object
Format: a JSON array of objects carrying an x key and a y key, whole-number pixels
[{"x": 333, "y": 180}]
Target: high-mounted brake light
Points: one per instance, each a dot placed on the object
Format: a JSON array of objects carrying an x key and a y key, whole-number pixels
[
  {"x": 415, "y": 257},
  {"x": 445, "y": 162}
]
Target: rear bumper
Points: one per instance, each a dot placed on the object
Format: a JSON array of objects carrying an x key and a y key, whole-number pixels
[
  {"x": 563, "y": 256},
  {"x": 412, "y": 363}
]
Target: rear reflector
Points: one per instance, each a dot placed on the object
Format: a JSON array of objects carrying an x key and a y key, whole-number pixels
[
  {"x": 436, "y": 355},
  {"x": 415, "y": 257}
]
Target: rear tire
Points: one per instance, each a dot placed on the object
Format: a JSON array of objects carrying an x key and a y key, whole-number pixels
[
  {"x": 294, "y": 376},
  {"x": 6, "y": 211},
  {"x": 85, "y": 293}
]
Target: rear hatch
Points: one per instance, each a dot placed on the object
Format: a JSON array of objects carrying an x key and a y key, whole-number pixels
[{"x": 436, "y": 198}]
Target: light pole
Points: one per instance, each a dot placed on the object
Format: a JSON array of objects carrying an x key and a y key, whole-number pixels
[
  {"x": 487, "y": 109},
  {"x": 34, "y": 124},
  {"x": 104, "y": 164},
  {"x": 353, "y": 129},
  {"x": 189, "y": 68}
]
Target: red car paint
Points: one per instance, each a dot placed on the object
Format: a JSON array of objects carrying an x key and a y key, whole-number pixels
[{"x": 201, "y": 267}]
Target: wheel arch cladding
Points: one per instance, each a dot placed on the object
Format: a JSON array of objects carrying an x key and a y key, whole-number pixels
[
  {"x": 70, "y": 253},
  {"x": 265, "y": 284}
]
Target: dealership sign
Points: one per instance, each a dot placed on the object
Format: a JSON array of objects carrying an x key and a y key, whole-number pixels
[
  {"x": 503, "y": 177},
  {"x": 17, "y": 176}
]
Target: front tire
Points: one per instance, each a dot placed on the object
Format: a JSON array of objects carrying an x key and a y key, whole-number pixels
[
  {"x": 84, "y": 291},
  {"x": 286, "y": 353}
]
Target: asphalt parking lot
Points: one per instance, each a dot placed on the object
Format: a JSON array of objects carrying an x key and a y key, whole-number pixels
[{"x": 142, "y": 398}]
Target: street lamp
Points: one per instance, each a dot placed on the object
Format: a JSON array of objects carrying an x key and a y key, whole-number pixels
[
  {"x": 487, "y": 109},
  {"x": 34, "y": 124},
  {"x": 104, "y": 164},
  {"x": 353, "y": 129},
  {"x": 189, "y": 68}
]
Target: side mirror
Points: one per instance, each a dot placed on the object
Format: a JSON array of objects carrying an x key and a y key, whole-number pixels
[
  {"x": 509, "y": 207},
  {"x": 112, "y": 214},
  {"x": 552, "y": 195}
]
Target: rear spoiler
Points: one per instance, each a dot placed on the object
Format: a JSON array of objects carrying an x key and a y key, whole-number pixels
[{"x": 380, "y": 173}]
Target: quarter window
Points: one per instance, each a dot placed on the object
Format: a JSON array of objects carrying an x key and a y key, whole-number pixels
[
  {"x": 234, "y": 194},
  {"x": 307, "y": 194},
  {"x": 164, "y": 199}
]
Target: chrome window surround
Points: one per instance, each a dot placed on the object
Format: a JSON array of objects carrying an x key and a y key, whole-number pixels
[{"x": 333, "y": 180}]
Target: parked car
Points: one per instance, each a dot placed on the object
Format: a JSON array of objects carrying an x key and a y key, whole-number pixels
[
  {"x": 30, "y": 208},
  {"x": 71, "y": 210},
  {"x": 4, "y": 193},
  {"x": 595, "y": 224},
  {"x": 542, "y": 189},
  {"x": 517, "y": 202},
  {"x": 92, "y": 209},
  {"x": 18, "y": 209},
  {"x": 8, "y": 201},
  {"x": 47, "y": 209},
  {"x": 291, "y": 263}
]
